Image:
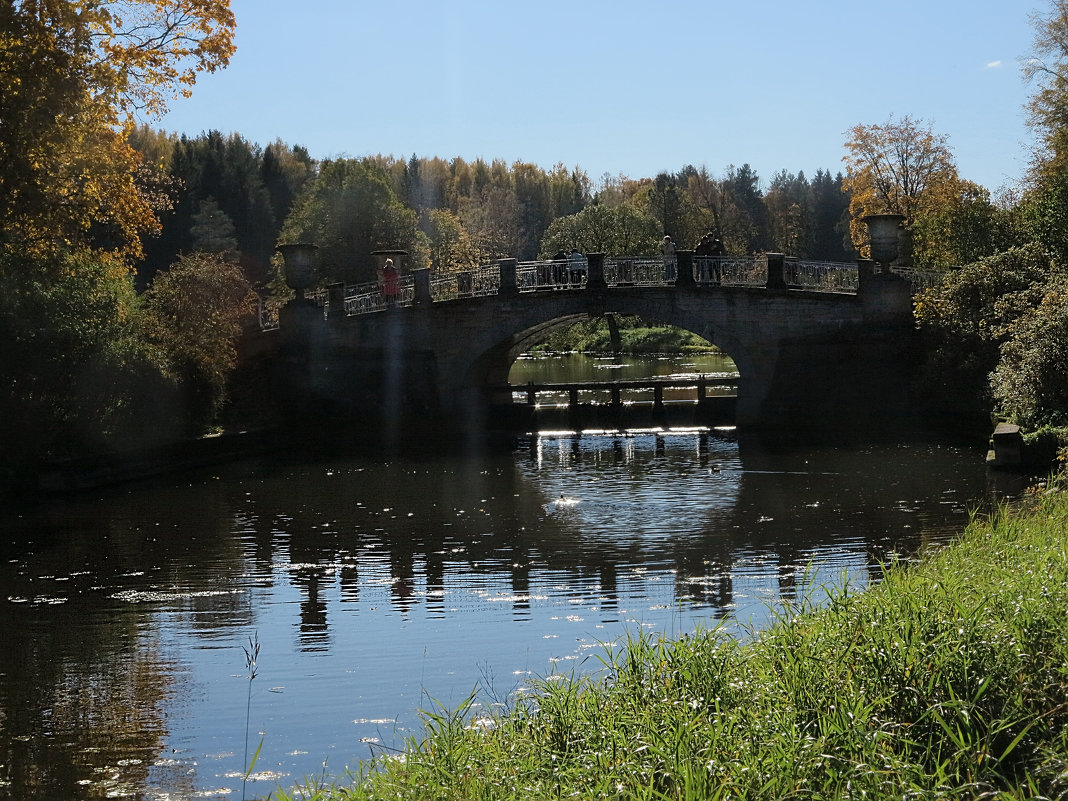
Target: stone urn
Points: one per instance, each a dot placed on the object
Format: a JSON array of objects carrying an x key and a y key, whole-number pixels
[
  {"x": 884, "y": 235},
  {"x": 299, "y": 262}
]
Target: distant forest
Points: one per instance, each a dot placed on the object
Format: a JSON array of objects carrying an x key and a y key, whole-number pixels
[{"x": 221, "y": 193}]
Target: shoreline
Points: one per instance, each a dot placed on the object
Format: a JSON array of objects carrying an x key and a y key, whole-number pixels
[{"x": 946, "y": 679}]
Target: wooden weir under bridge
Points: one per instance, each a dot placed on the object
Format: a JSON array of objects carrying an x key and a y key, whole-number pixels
[{"x": 717, "y": 408}]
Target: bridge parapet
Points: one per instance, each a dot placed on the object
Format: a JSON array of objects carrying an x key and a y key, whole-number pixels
[{"x": 508, "y": 277}]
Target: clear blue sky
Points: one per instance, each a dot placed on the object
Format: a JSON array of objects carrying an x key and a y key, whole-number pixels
[{"x": 623, "y": 87}]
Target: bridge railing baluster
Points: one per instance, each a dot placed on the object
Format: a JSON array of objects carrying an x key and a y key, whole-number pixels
[
  {"x": 920, "y": 279},
  {"x": 642, "y": 271}
]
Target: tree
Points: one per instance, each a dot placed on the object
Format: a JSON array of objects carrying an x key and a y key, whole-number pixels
[
  {"x": 966, "y": 319},
  {"x": 1048, "y": 106},
  {"x": 232, "y": 173},
  {"x": 533, "y": 200},
  {"x": 966, "y": 227},
  {"x": 786, "y": 205},
  {"x": 284, "y": 171},
  {"x": 72, "y": 75},
  {"x": 1030, "y": 383},
  {"x": 75, "y": 374},
  {"x": 709, "y": 197},
  {"x": 829, "y": 219},
  {"x": 569, "y": 192},
  {"x": 621, "y": 230},
  {"x": 213, "y": 230},
  {"x": 744, "y": 220},
  {"x": 897, "y": 167},
  {"x": 194, "y": 313},
  {"x": 349, "y": 210},
  {"x": 492, "y": 217},
  {"x": 451, "y": 247}
]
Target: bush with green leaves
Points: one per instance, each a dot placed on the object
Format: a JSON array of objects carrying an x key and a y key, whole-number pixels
[
  {"x": 76, "y": 373},
  {"x": 1030, "y": 383},
  {"x": 966, "y": 319}
]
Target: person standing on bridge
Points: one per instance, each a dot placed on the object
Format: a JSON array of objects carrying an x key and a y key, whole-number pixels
[
  {"x": 559, "y": 268},
  {"x": 667, "y": 247},
  {"x": 702, "y": 252},
  {"x": 390, "y": 285},
  {"x": 718, "y": 253},
  {"x": 576, "y": 266}
]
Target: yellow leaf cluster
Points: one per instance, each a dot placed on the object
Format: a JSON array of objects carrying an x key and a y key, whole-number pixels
[
  {"x": 896, "y": 167},
  {"x": 73, "y": 73}
]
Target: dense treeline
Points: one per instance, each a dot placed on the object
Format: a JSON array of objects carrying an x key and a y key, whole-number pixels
[
  {"x": 129, "y": 256},
  {"x": 453, "y": 215}
]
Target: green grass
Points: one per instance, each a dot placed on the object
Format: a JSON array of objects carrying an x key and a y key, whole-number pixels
[{"x": 949, "y": 679}]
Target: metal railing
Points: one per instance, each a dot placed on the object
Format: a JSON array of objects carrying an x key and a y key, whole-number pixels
[
  {"x": 823, "y": 276},
  {"x": 369, "y": 297},
  {"x": 639, "y": 271},
  {"x": 727, "y": 271},
  {"x": 920, "y": 279},
  {"x": 565, "y": 275},
  {"x": 478, "y": 283},
  {"x": 534, "y": 276}
]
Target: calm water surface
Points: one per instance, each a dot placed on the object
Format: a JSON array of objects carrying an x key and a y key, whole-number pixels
[{"x": 377, "y": 587}]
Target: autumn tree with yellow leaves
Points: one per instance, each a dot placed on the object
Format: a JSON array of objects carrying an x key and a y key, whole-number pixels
[
  {"x": 79, "y": 373},
  {"x": 73, "y": 76},
  {"x": 897, "y": 167}
]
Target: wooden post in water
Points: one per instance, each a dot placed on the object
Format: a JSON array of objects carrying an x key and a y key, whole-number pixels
[{"x": 573, "y": 408}]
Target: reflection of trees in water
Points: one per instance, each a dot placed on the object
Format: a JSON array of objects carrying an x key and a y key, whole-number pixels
[
  {"x": 431, "y": 522},
  {"x": 81, "y": 683},
  {"x": 84, "y": 682},
  {"x": 427, "y": 522}
]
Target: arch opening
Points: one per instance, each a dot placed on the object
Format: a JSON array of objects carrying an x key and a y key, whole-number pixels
[{"x": 616, "y": 372}]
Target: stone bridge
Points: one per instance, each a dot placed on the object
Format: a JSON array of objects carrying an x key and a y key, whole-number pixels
[{"x": 808, "y": 358}]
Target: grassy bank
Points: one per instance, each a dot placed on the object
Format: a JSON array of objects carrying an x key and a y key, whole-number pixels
[{"x": 947, "y": 680}]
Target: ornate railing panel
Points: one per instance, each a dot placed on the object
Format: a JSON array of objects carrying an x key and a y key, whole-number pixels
[
  {"x": 369, "y": 297},
  {"x": 727, "y": 271},
  {"x": 533, "y": 276},
  {"x": 638, "y": 272},
  {"x": 920, "y": 279},
  {"x": 823, "y": 276}
]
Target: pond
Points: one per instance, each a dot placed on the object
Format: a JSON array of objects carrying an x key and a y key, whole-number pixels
[{"x": 377, "y": 587}]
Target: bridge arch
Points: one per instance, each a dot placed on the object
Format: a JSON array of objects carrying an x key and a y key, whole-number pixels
[
  {"x": 796, "y": 351},
  {"x": 492, "y": 367}
]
